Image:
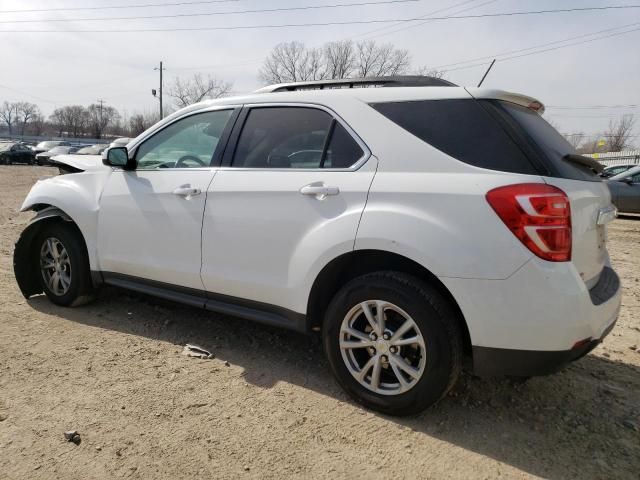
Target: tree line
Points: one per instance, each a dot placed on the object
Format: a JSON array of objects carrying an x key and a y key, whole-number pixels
[
  {"x": 98, "y": 120},
  {"x": 295, "y": 62},
  {"x": 287, "y": 62},
  {"x": 618, "y": 136}
]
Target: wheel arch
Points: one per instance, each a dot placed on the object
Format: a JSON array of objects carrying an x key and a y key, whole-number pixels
[
  {"x": 353, "y": 264},
  {"x": 25, "y": 265}
]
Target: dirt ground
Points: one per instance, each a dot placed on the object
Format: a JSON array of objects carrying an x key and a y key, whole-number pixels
[{"x": 267, "y": 407}]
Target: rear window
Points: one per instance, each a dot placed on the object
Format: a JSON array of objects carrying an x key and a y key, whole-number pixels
[
  {"x": 547, "y": 144},
  {"x": 463, "y": 129}
]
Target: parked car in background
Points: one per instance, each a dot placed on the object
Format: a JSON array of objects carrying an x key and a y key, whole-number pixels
[
  {"x": 92, "y": 149},
  {"x": 120, "y": 142},
  {"x": 48, "y": 145},
  {"x": 625, "y": 190},
  {"x": 15, "y": 152},
  {"x": 615, "y": 170},
  {"x": 43, "y": 158}
]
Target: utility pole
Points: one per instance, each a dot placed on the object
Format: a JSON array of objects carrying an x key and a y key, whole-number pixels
[
  {"x": 101, "y": 102},
  {"x": 160, "y": 90}
]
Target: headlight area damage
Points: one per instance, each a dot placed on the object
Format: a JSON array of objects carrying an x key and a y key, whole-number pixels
[
  {"x": 25, "y": 264},
  {"x": 77, "y": 163}
]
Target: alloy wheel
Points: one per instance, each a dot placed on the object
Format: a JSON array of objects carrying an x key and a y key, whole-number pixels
[
  {"x": 382, "y": 347},
  {"x": 55, "y": 266}
]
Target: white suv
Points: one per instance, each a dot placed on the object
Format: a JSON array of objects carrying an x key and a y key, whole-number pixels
[{"x": 417, "y": 227}]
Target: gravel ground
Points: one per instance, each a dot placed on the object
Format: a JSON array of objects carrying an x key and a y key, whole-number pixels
[{"x": 266, "y": 406}]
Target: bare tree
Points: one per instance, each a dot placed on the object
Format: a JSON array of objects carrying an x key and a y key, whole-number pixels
[
  {"x": 340, "y": 59},
  {"x": 139, "y": 122},
  {"x": 38, "y": 124},
  {"x": 197, "y": 88},
  {"x": 619, "y": 133},
  {"x": 575, "y": 139},
  {"x": 381, "y": 60},
  {"x": 9, "y": 114},
  {"x": 101, "y": 117},
  {"x": 429, "y": 72},
  {"x": 292, "y": 62},
  {"x": 25, "y": 111},
  {"x": 57, "y": 120}
]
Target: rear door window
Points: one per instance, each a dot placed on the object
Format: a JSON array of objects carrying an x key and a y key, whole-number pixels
[
  {"x": 294, "y": 137},
  {"x": 461, "y": 128}
]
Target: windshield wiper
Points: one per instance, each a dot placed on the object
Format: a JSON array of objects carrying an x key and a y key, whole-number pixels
[{"x": 588, "y": 162}]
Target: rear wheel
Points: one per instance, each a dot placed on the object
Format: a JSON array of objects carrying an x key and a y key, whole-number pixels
[
  {"x": 63, "y": 265},
  {"x": 392, "y": 342}
]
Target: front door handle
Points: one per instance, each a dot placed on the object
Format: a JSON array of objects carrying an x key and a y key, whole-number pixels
[
  {"x": 320, "y": 191},
  {"x": 187, "y": 191}
]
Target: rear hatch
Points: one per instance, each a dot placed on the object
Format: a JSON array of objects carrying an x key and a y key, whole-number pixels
[{"x": 551, "y": 154}]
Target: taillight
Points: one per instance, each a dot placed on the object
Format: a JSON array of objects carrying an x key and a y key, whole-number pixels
[{"x": 539, "y": 215}]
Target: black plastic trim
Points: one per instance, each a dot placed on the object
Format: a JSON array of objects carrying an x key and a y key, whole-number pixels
[
  {"x": 232, "y": 141},
  {"x": 607, "y": 286},
  {"x": 489, "y": 362},
  {"x": 225, "y": 304}
]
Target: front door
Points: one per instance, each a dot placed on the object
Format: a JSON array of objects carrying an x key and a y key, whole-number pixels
[
  {"x": 291, "y": 198},
  {"x": 150, "y": 219}
]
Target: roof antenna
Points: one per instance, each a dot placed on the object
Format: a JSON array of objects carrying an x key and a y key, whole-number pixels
[{"x": 487, "y": 72}]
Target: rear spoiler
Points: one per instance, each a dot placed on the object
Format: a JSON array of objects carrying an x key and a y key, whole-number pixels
[{"x": 490, "y": 94}]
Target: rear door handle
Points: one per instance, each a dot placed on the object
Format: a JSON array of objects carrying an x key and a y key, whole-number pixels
[
  {"x": 187, "y": 191},
  {"x": 319, "y": 191}
]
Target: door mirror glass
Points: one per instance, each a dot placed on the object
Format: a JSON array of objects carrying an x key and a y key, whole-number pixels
[{"x": 116, "y": 157}]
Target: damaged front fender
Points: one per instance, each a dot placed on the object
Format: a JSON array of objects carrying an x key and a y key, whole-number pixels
[{"x": 25, "y": 262}]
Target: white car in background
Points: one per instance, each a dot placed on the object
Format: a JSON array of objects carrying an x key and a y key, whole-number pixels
[{"x": 415, "y": 226}]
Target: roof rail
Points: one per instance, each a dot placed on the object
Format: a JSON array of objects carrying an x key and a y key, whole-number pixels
[{"x": 367, "y": 82}]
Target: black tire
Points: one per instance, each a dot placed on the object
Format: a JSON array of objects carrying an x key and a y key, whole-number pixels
[
  {"x": 436, "y": 320},
  {"x": 80, "y": 289}
]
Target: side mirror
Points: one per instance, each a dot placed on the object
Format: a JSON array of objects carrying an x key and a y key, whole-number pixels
[
  {"x": 627, "y": 180},
  {"x": 118, "y": 157}
]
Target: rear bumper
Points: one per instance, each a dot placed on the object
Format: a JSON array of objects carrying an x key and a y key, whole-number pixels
[
  {"x": 537, "y": 320},
  {"x": 488, "y": 362}
]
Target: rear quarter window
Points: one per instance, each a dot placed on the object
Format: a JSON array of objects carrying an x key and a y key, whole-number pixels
[{"x": 461, "y": 128}]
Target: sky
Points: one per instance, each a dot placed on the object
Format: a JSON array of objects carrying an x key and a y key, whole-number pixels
[{"x": 79, "y": 65}]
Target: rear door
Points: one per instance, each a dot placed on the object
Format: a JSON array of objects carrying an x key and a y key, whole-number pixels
[
  {"x": 293, "y": 188},
  {"x": 587, "y": 192}
]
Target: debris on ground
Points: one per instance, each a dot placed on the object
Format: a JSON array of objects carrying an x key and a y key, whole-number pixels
[
  {"x": 191, "y": 350},
  {"x": 72, "y": 436}
]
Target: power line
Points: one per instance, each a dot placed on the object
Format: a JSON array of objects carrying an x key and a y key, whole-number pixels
[
  {"x": 426, "y": 20},
  {"x": 114, "y": 7},
  {"x": 542, "y": 45},
  {"x": 433, "y": 12},
  {"x": 337, "y": 23},
  {"x": 209, "y": 14},
  {"x": 544, "y": 50}
]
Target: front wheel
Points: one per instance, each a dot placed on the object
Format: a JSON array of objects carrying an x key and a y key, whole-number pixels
[
  {"x": 63, "y": 265},
  {"x": 392, "y": 342}
]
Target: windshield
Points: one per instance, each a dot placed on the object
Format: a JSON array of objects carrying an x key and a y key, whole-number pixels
[{"x": 627, "y": 173}]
